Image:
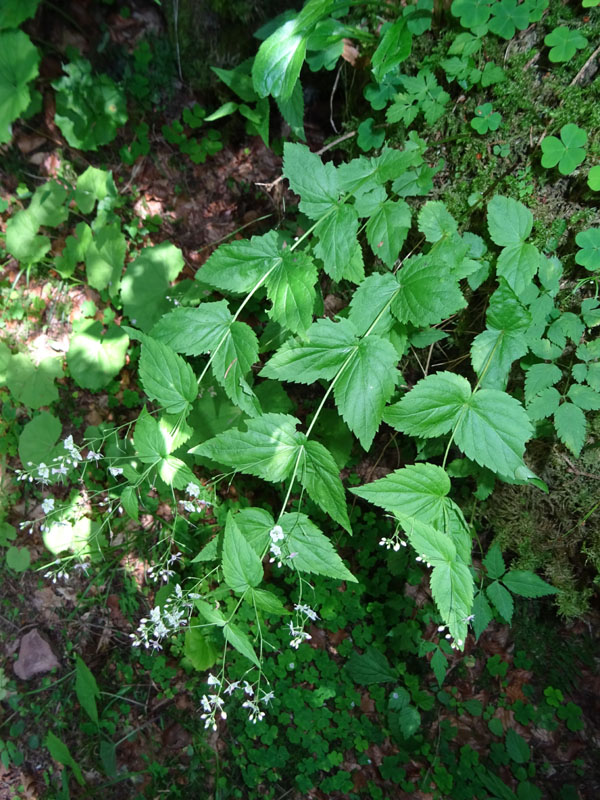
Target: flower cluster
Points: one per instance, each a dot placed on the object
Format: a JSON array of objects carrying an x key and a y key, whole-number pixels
[
  {"x": 164, "y": 572},
  {"x": 392, "y": 543},
  {"x": 164, "y": 621},
  {"x": 212, "y": 704},
  {"x": 193, "y": 490},
  {"x": 277, "y": 535}
]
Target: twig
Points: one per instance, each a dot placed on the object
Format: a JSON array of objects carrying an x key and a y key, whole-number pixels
[
  {"x": 585, "y": 66},
  {"x": 269, "y": 186},
  {"x": 331, "y": 96}
]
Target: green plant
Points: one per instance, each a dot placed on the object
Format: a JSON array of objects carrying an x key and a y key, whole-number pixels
[
  {"x": 567, "y": 152},
  {"x": 564, "y": 43},
  {"x": 486, "y": 119}
]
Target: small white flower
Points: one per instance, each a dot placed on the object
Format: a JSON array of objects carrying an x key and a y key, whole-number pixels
[
  {"x": 115, "y": 471},
  {"x": 48, "y": 505},
  {"x": 267, "y": 697},
  {"x": 232, "y": 687},
  {"x": 188, "y": 506},
  {"x": 92, "y": 456},
  {"x": 276, "y": 533},
  {"x": 307, "y": 611},
  {"x": 248, "y": 689},
  {"x": 192, "y": 489},
  {"x": 212, "y": 680}
]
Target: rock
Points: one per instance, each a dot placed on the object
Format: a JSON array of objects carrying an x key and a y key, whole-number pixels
[{"x": 35, "y": 656}]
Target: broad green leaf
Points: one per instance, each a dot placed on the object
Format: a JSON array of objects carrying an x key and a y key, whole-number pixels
[
  {"x": 320, "y": 477},
  {"x": 266, "y": 601},
  {"x": 239, "y": 266},
  {"x": 433, "y": 546},
  {"x": 61, "y": 753},
  {"x": 278, "y": 62},
  {"x": 199, "y": 651},
  {"x": 292, "y": 109},
  {"x": 418, "y": 490},
  {"x": 95, "y": 356},
  {"x": 527, "y": 584},
  {"x": 33, "y": 385},
  {"x": 584, "y": 397},
  {"x": 93, "y": 185},
  {"x": 241, "y": 642},
  {"x": 431, "y": 407},
  {"x": 539, "y": 377},
  {"x": 328, "y": 345},
  {"x": 365, "y": 385},
  {"x": 428, "y": 293},
  {"x": 501, "y": 599},
  {"x": 314, "y": 551},
  {"x": 22, "y": 240},
  {"x": 518, "y": 265},
  {"x": 86, "y": 689},
  {"x": 146, "y": 283},
  {"x": 394, "y": 47},
  {"x": 291, "y": 290},
  {"x": 494, "y": 563},
  {"x": 14, "y": 12},
  {"x": 19, "y": 61},
  {"x": 544, "y": 404},
  {"x": 37, "y": 441},
  {"x": 242, "y": 568},
  {"x": 436, "y": 222},
  {"x": 452, "y": 589},
  {"x": 370, "y": 667},
  {"x": 517, "y": 748},
  {"x": 104, "y": 258},
  {"x": 371, "y": 301},
  {"x": 482, "y": 614},
  {"x": 570, "y": 424},
  {"x": 154, "y": 444},
  {"x": 268, "y": 448},
  {"x": 509, "y": 222},
  {"x": 129, "y": 501},
  {"x": 593, "y": 179},
  {"x": 503, "y": 341},
  {"x": 255, "y": 524},
  {"x": 47, "y": 205},
  {"x": 166, "y": 377},
  {"x": 472, "y": 13},
  {"x": 74, "y": 252},
  {"x": 492, "y": 430},
  {"x": 337, "y": 241},
  {"x": 387, "y": 229},
  {"x": 314, "y": 181},
  {"x": 18, "y": 558},
  {"x": 210, "y": 328}
]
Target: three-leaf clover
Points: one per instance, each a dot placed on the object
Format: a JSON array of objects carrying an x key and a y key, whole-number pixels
[
  {"x": 367, "y": 137},
  {"x": 589, "y": 254},
  {"x": 568, "y": 151},
  {"x": 486, "y": 119},
  {"x": 564, "y": 43},
  {"x": 507, "y": 16},
  {"x": 472, "y": 13}
]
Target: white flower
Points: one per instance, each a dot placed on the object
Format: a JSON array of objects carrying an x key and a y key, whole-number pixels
[
  {"x": 212, "y": 680},
  {"x": 232, "y": 687},
  {"x": 248, "y": 689},
  {"x": 307, "y": 611},
  {"x": 276, "y": 533},
  {"x": 115, "y": 471},
  {"x": 298, "y": 635},
  {"x": 192, "y": 489},
  {"x": 188, "y": 506},
  {"x": 43, "y": 472},
  {"x": 255, "y": 714},
  {"x": 267, "y": 697},
  {"x": 48, "y": 505},
  {"x": 91, "y": 456}
]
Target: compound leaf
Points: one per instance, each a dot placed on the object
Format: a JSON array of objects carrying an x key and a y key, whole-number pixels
[
  {"x": 314, "y": 551},
  {"x": 570, "y": 424},
  {"x": 166, "y": 377}
]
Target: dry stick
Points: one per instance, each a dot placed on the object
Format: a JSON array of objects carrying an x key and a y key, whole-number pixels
[
  {"x": 331, "y": 96},
  {"x": 585, "y": 66},
  {"x": 269, "y": 186}
]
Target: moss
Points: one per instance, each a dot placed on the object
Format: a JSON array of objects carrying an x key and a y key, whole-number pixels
[{"x": 553, "y": 533}]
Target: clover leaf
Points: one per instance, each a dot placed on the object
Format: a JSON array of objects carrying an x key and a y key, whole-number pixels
[
  {"x": 568, "y": 152},
  {"x": 507, "y": 17},
  {"x": 472, "y": 13},
  {"x": 486, "y": 119},
  {"x": 367, "y": 137},
  {"x": 564, "y": 43},
  {"x": 589, "y": 254},
  {"x": 593, "y": 178}
]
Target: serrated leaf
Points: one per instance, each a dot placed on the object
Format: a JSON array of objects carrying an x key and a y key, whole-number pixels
[
  {"x": 267, "y": 601},
  {"x": 166, "y": 377},
  {"x": 482, "y": 614},
  {"x": 328, "y": 344},
  {"x": 337, "y": 242},
  {"x": 527, "y": 584},
  {"x": 369, "y": 667},
  {"x": 372, "y": 300},
  {"x": 241, "y": 642},
  {"x": 86, "y": 689},
  {"x": 570, "y": 424},
  {"x": 518, "y": 265},
  {"x": 494, "y": 563},
  {"x": 255, "y": 524},
  {"x": 129, "y": 501},
  {"x": 501, "y": 600},
  {"x": 315, "y": 552},
  {"x": 387, "y": 229},
  {"x": 428, "y": 293},
  {"x": 431, "y": 407},
  {"x": 268, "y": 448},
  {"x": 539, "y": 377},
  {"x": 452, "y": 589},
  {"x": 238, "y": 267},
  {"x": 365, "y": 385},
  {"x": 394, "y": 47},
  {"x": 314, "y": 181},
  {"x": 320, "y": 477},
  {"x": 291, "y": 290},
  {"x": 544, "y": 404},
  {"x": 584, "y": 397},
  {"x": 436, "y": 222},
  {"x": 242, "y": 568},
  {"x": 509, "y": 222}
]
